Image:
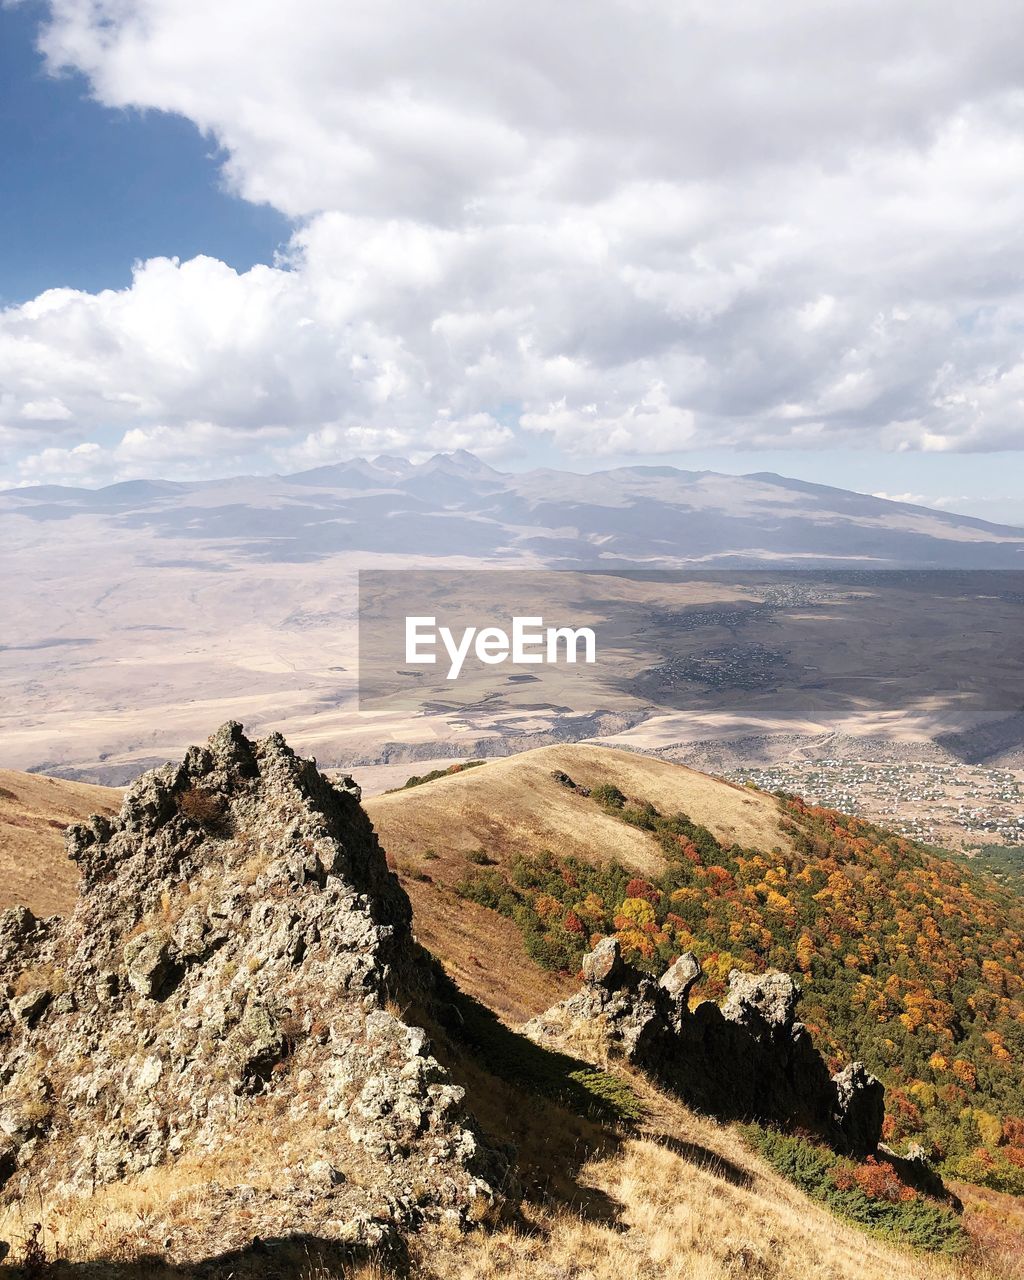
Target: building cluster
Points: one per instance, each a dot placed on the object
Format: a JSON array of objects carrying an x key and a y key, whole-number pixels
[{"x": 940, "y": 803}]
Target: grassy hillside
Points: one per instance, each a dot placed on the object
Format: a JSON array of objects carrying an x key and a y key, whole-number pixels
[
  {"x": 746, "y": 880},
  {"x": 34, "y": 812},
  {"x": 437, "y": 833},
  {"x": 910, "y": 961}
]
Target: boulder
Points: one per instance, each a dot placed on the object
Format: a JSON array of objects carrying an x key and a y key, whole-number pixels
[
  {"x": 30, "y": 1007},
  {"x": 764, "y": 1004},
  {"x": 747, "y": 1059},
  {"x": 148, "y": 962},
  {"x": 604, "y": 966},
  {"x": 680, "y": 978}
]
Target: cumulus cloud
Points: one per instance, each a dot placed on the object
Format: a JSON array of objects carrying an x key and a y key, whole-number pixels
[{"x": 620, "y": 226}]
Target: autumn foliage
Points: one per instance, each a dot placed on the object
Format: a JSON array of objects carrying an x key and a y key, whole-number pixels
[{"x": 908, "y": 961}]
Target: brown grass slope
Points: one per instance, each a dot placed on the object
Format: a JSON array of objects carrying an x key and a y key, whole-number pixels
[
  {"x": 681, "y": 1197},
  {"x": 34, "y": 812},
  {"x": 514, "y": 806}
]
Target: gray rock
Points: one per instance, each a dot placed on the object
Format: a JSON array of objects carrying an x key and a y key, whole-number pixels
[
  {"x": 604, "y": 966},
  {"x": 749, "y": 1058},
  {"x": 30, "y": 1006},
  {"x": 230, "y": 959},
  {"x": 763, "y": 1003},
  {"x": 680, "y": 978},
  {"x": 323, "y": 1174},
  {"x": 148, "y": 963}
]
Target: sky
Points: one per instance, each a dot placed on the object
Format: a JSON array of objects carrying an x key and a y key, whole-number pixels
[{"x": 254, "y": 237}]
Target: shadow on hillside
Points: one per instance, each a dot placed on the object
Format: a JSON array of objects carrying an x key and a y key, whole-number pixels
[
  {"x": 703, "y": 1158},
  {"x": 297, "y": 1257},
  {"x": 549, "y": 1111}
]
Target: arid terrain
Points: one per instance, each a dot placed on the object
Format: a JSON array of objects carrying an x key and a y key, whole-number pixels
[
  {"x": 34, "y": 813},
  {"x": 138, "y": 614},
  {"x": 676, "y": 1195}
]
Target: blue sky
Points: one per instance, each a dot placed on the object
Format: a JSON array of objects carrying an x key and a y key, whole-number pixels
[
  {"x": 677, "y": 236},
  {"x": 88, "y": 189}
]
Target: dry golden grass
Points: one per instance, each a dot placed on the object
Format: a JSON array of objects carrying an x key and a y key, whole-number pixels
[
  {"x": 693, "y": 1204},
  {"x": 514, "y": 806},
  {"x": 679, "y": 1220},
  {"x": 34, "y": 811},
  {"x": 122, "y": 1225},
  {"x": 482, "y": 951},
  {"x": 681, "y": 1198},
  {"x": 996, "y": 1221}
]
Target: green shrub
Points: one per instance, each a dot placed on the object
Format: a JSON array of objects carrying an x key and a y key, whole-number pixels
[
  {"x": 489, "y": 889},
  {"x": 608, "y": 796},
  {"x": 611, "y": 1092},
  {"x": 906, "y": 1217},
  {"x": 988, "y": 1171},
  {"x": 418, "y": 779}
]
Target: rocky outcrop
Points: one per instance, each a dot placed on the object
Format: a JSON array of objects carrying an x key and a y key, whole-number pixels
[
  {"x": 564, "y": 780},
  {"x": 220, "y": 1005},
  {"x": 746, "y": 1059}
]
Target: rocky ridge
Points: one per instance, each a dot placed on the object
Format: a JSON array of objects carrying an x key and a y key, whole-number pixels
[
  {"x": 220, "y": 1006},
  {"x": 748, "y": 1058}
]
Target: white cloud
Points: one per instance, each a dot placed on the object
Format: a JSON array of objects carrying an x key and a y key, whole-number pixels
[
  {"x": 653, "y": 425},
  {"x": 631, "y": 225},
  {"x": 478, "y": 432},
  {"x": 45, "y": 411},
  {"x": 913, "y": 499},
  {"x": 84, "y": 463}
]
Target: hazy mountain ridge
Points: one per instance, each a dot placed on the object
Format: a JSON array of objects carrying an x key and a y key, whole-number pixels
[{"x": 456, "y": 504}]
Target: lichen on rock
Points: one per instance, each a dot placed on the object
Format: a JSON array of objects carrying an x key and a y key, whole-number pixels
[{"x": 220, "y": 1001}]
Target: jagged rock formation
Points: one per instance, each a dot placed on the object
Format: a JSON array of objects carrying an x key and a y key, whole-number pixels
[
  {"x": 218, "y": 1004},
  {"x": 746, "y": 1059}
]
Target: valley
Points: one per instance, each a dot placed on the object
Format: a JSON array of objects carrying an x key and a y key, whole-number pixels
[{"x": 729, "y": 609}]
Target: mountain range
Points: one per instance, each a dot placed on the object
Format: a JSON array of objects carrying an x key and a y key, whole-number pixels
[
  {"x": 136, "y": 614},
  {"x": 457, "y": 505}
]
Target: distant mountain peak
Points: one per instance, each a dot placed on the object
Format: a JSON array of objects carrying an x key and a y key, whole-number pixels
[
  {"x": 461, "y": 462},
  {"x": 393, "y": 463}
]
